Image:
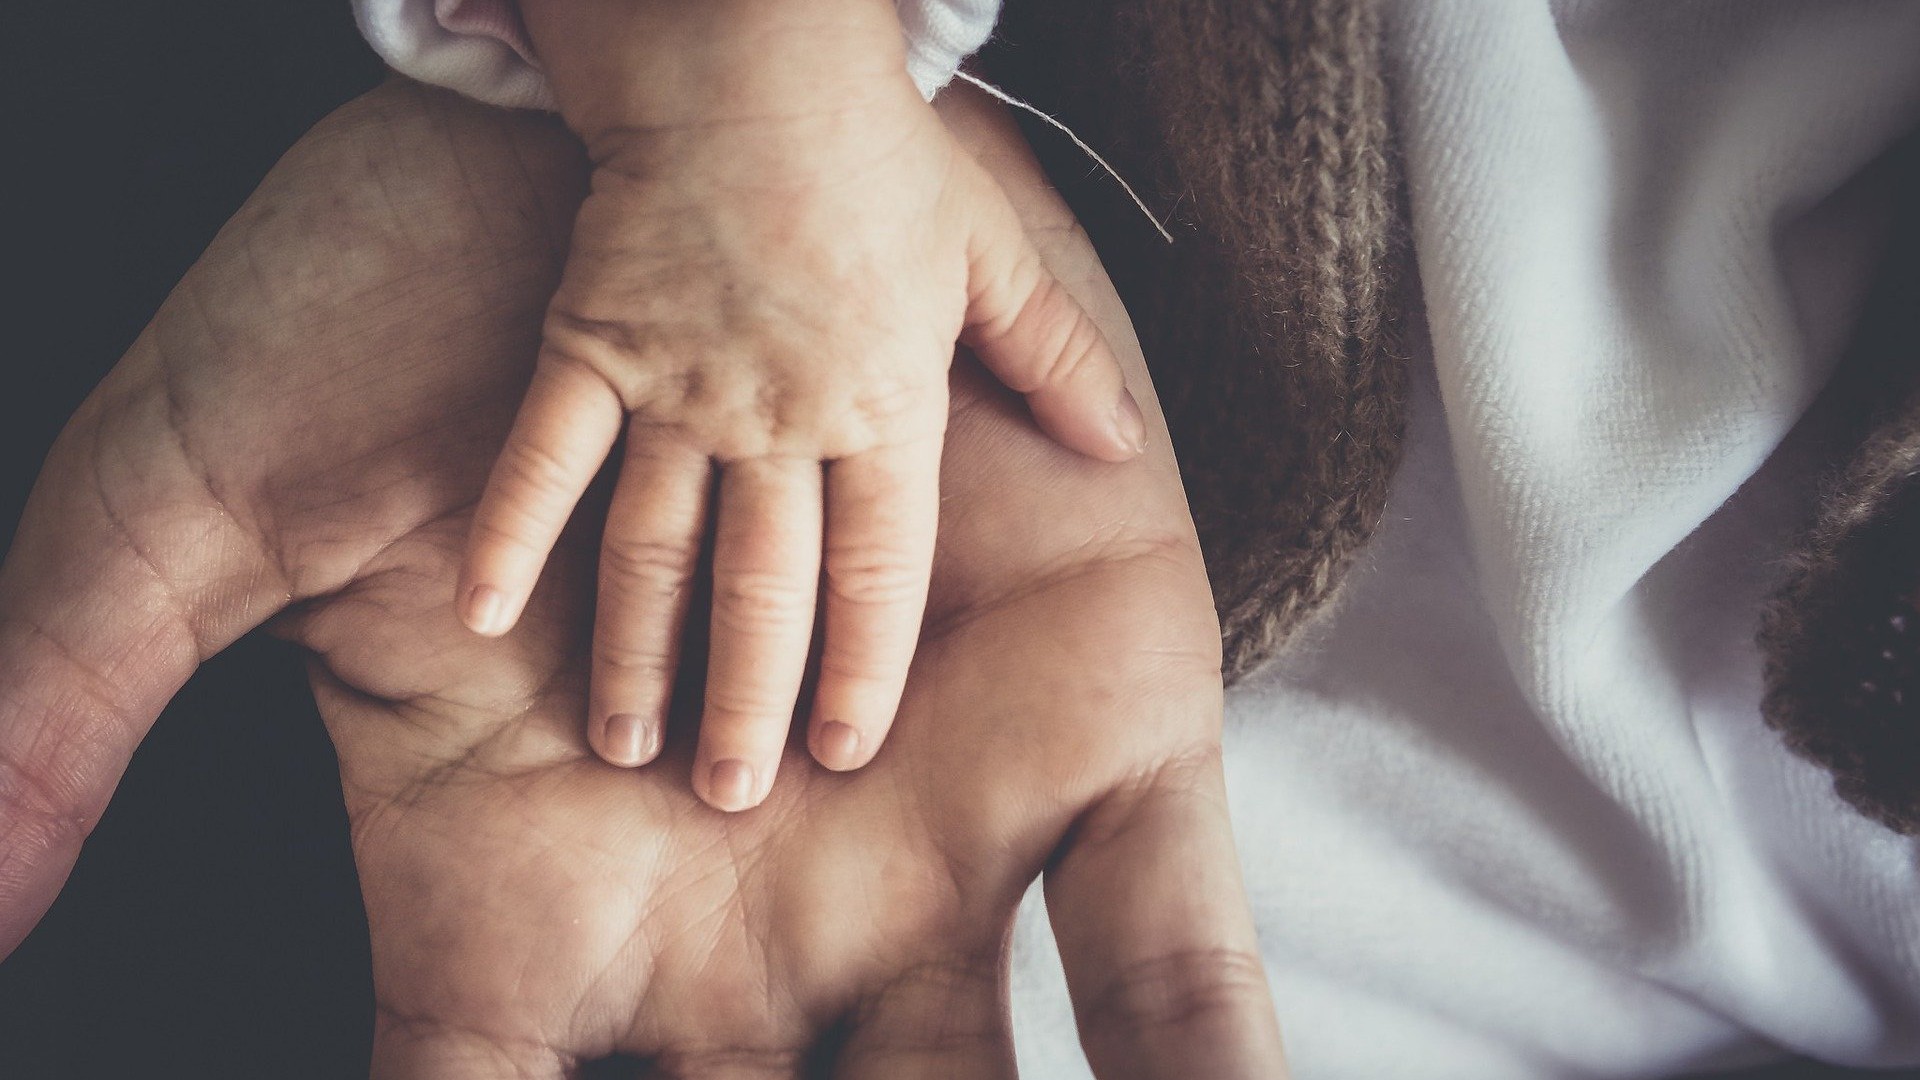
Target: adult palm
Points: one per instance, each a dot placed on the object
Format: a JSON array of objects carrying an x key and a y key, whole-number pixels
[{"x": 300, "y": 435}]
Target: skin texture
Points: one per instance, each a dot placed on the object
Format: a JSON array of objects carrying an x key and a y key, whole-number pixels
[
  {"x": 781, "y": 245},
  {"x": 301, "y": 435}
]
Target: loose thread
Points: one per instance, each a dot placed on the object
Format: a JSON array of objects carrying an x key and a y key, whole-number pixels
[{"x": 1009, "y": 99}]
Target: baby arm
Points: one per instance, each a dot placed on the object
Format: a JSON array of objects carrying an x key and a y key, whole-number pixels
[{"x": 780, "y": 249}]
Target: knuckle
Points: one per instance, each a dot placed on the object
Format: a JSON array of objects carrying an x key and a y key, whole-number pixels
[
  {"x": 846, "y": 675},
  {"x": 1192, "y": 990},
  {"x": 657, "y": 569},
  {"x": 1073, "y": 350},
  {"x": 753, "y": 601},
  {"x": 28, "y": 790},
  {"x": 891, "y": 405},
  {"x": 1011, "y": 294},
  {"x": 532, "y": 468},
  {"x": 514, "y": 532},
  {"x": 748, "y": 705},
  {"x": 36, "y": 821},
  {"x": 611, "y": 653},
  {"x": 570, "y": 337},
  {"x": 1051, "y": 328},
  {"x": 868, "y": 578}
]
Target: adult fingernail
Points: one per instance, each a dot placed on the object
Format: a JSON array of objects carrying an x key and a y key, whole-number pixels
[
  {"x": 730, "y": 784},
  {"x": 487, "y": 610},
  {"x": 1129, "y": 423},
  {"x": 837, "y": 745},
  {"x": 629, "y": 739}
]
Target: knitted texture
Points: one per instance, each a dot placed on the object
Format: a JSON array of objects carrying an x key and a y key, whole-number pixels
[
  {"x": 1843, "y": 636},
  {"x": 1272, "y": 324}
]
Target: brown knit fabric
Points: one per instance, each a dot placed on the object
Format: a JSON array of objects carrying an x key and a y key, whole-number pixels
[
  {"x": 1272, "y": 324},
  {"x": 1842, "y": 635}
]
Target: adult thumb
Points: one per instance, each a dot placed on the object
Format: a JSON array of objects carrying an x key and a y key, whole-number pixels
[{"x": 125, "y": 573}]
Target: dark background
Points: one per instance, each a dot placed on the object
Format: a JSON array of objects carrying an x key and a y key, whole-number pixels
[{"x": 213, "y": 927}]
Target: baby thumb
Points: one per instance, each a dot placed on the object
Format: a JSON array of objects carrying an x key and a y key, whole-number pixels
[{"x": 1035, "y": 337}]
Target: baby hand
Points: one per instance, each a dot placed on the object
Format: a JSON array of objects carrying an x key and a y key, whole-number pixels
[{"x": 767, "y": 306}]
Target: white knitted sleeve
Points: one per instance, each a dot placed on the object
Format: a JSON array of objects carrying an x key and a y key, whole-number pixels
[{"x": 479, "y": 47}]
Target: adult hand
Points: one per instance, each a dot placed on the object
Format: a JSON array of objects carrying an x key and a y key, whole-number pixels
[{"x": 303, "y": 430}]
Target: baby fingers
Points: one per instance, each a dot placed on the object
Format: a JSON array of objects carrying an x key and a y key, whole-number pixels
[
  {"x": 766, "y": 579},
  {"x": 647, "y": 561},
  {"x": 881, "y": 513},
  {"x": 883, "y": 509},
  {"x": 1028, "y": 330},
  {"x": 561, "y": 437}
]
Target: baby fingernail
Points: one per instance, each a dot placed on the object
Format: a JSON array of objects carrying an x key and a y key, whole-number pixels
[
  {"x": 730, "y": 785},
  {"x": 487, "y": 610},
  {"x": 629, "y": 739},
  {"x": 1129, "y": 424},
  {"x": 837, "y": 745}
]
